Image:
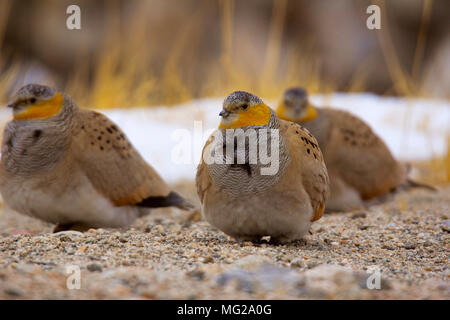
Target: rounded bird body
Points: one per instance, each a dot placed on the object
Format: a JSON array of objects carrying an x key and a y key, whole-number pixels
[
  {"x": 243, "y": 202},
  {"x": 65, "y": 203},
  {"x": 74, "y": 167},
  {"x": 359, "y": 163}
]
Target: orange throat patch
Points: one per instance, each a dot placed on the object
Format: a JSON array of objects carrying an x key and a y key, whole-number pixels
[
  {"x": 42, "y": 109},
  {"x": 257, "y": 115},
  {"x": 310, "y": 114}
]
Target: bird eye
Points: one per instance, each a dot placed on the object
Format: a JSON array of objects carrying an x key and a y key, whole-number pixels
[
  {"x": 33, "y": 100},
  {"x": 244, "y": 106}
]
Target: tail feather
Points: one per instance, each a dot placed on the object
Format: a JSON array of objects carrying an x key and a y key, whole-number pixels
[
  {"x": 173, "y": 199},
  {"x": 414, "y": 184}
]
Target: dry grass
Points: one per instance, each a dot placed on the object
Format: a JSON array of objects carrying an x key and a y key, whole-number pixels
[
  {"x": 434, "y": 172},
  {"x": 405, "y": 83},
  {"x": 123, "y": 74}
]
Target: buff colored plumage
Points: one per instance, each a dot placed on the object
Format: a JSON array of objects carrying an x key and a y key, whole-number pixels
[
  {"x": 74, "y": 167},
  {"x": 359, "y": 163},
  {"x": 240, "y": 201}
]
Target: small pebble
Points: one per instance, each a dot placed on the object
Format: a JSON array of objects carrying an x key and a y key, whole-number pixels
[
  {"x": 409, "y": 245},
  {"x": 158, "y": 229},
  {"x": 94, "y": 267},
  {"x": 359, "y": 215},
  {"x": 298, "y": 263},
  {"x": 207, "y": 259}
]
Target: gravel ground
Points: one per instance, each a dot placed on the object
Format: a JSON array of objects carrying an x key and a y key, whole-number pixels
[{"x": 171, "y": 254}]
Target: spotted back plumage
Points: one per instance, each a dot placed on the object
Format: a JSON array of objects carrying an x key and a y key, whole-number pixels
[
  {"x": 308, "y": 162},
  {"x": 355, "y": 153},
  {"x": 110, "y": 161},
  {"x": 87, "y": 140}
]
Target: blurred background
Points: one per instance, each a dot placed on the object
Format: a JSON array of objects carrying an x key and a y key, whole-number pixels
[{"x": 154, "y": 52}]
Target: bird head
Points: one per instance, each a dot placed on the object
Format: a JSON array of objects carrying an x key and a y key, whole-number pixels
[
  {"x": 243, "y": 109},
  {"x": 35, "y": 101},
  {"x": 295, "y": 106}
]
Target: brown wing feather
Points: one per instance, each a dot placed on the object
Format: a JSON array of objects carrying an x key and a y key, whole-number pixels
[
  {"x": 307, "y": 158},
  {"x": 362, "y": 159},
  {"x": 111, "y": 163},
  {"x": 202, "y": 178}
]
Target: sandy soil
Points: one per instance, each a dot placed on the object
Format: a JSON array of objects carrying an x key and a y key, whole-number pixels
[{"x": 171, "y": 254}]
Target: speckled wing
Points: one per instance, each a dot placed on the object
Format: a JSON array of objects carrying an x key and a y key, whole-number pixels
[
  {"x": 202, "y": 178},
  {"x": 307, "y": 159},
  {"x": 111, "y": 163},
  {"x": 361, "y": 157}
]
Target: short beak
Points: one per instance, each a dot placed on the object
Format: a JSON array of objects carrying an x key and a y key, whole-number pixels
[
  {"x": 298, "y": 108},
  {"x": 11, "y": 105},
  {"x": 224, "y": 113}
]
